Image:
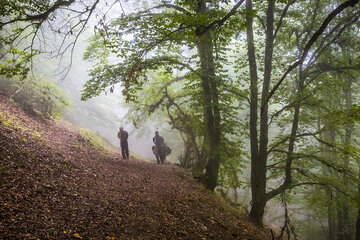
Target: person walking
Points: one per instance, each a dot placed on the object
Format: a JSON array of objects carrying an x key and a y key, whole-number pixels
[
  {"x": 123, "y": 135},
  {"x": 159, "y": 147},
  {"x": 154, "y": 150}
]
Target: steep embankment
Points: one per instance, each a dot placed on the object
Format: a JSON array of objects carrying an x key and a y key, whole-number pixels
[{"x": 57, "y": 184}]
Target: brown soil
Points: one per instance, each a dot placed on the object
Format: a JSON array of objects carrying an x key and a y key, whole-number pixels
[{"x": 56, "y": 185}]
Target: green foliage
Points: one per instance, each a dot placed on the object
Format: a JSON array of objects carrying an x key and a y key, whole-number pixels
[
  {"x": 178, "y": 100},
  {"x": 21, "y": 8},
  {"x": 100, "y": 143},
  {"x": 146, "y": 40},
  {"x": 164, "y": 39},
  {"x": 232, "y": 166},
  {"x": 163, "y": 42},
  {"x": 35, "y": 95},
  {"x": 18, "y": 65},
  {"x": 343, "y": 117},
  {"x": 14, "y": 123},
  {"x": 16, "y": 46}
]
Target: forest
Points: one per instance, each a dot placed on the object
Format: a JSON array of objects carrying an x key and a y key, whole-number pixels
[{"x": 259, "y": 100}]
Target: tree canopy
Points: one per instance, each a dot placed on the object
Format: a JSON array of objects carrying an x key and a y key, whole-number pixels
[{"x": 266, "y": 85}]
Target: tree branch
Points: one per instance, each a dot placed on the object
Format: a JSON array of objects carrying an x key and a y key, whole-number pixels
[
  {"x": 275, "y": 145},
  {"x": 173, "y": 6},
  {"x": 220, "y": 22},
  {"x": 261, "y": 21},
  {"x": 42, "y": 16},
  {"x": 237, "y": 93},
  {"x": 329, "y": 18},
  {"x": 283, "y": 14}
]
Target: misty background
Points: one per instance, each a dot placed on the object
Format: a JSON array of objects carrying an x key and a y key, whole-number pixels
[{"x": 103, "y": 114}]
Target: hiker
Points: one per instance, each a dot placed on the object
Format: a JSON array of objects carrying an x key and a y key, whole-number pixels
[
  {"x": 167, "y": 152},
  {"x": 154, "y": 150},
  {"x": 123, "y": 135},
  {"x": 159, "y": 148}
]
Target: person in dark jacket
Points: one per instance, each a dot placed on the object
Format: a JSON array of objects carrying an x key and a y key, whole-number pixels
[
  {"x": 155, "y": 152},
  {"x": 159, "y": 149},
  {"x": 123, "y": 135}
]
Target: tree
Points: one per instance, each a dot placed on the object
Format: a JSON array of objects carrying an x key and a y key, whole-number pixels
[
  {"x": 191, "y": 37},
  {"x": 260, "y": 137},
  {"x": 326, "y": 163},
  {"x": 161, "y": 30},
  {"x": 26, "y": 26},
  {"x": 36, "y": 95}
]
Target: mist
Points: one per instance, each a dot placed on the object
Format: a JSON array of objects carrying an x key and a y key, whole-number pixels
[
  {"x": 268, "y": 118},
  {"x": 104, "y": 114}
]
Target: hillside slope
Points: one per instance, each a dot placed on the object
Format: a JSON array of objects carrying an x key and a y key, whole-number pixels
[{"x": 57, "y": 184}]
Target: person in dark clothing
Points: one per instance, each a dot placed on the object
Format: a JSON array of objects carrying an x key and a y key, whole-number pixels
[
  {"x": 123, "y": 135},
  {"x": 159, "y": 147},
  {"x": 154, "y": 150}
]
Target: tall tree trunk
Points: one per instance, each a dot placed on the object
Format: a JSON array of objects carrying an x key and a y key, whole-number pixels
[
  {"x": 328, "y": 192},
  {"x": 346, "y": 233},
  {"x": 331, "y": 211},
  {"x": 255, "y": 188},
  {"x": 340, "y": 217},
  {"x": 253, "y": 85},
  {"x": 331, "y": 207},
  {"x": 357, "y": 230},
  {"x": 344, "y": 225},
  {"x": 331, "y": 215},
  {"x": 259, "y": 161},
  {"x": 212, "y": 116}
]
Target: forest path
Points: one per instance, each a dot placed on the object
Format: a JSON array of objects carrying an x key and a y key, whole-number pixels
[{"x": 58, "y": 183}]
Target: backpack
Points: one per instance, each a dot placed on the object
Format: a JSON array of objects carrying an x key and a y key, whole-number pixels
[{"x": 167, "y": 150}]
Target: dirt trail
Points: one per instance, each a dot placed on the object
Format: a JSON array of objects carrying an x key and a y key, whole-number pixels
[{"x": 55, "y": 184}]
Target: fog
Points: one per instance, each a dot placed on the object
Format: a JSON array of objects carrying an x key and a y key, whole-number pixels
[{"x": 104, "y": 114}]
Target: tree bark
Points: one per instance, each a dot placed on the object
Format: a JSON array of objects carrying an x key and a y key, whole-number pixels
[
  {"x": 258, "y": 163},
  {"x": 344, "y": 231},
  {"x": 340, "y": 218},
  {"x": 331, "y": 211},
  {"x": 331, "y": 233},
  {"x": 255, "y": 191},
  {"x": 333, "y": 225},
  {"x": 331, "y": 215},
  {"x": 212, "y": 116},
  {"x": 253, "y": 85},
  {"x": 357, "y": 230}
]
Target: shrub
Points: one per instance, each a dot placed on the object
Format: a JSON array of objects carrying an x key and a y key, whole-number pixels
[{"x": 35, "y": 95}]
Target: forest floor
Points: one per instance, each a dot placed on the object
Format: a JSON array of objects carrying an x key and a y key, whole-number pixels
[{"x": 59, "y": 183}]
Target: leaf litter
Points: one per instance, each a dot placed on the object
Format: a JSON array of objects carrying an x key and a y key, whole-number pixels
[{"x": 56, "y": 185}]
